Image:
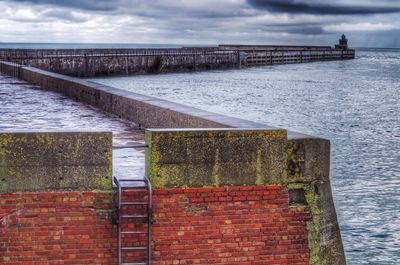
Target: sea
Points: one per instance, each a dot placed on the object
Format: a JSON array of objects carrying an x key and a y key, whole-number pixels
[{"x": 353, "y": 103}]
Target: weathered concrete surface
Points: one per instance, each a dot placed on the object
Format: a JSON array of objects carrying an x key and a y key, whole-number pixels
[
  {"x": 308, "y": 168},
  {"x": 94, "y": 62},
  {"x": 37, "y": 161},
  {"x": 201, "y": 158}
]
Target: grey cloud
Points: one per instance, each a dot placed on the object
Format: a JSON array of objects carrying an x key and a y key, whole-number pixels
[
  {"x": 92, "y": 5},
  {"x": 303, "y": 7},
  {"x": 63, "y": 15},
  {"x": 146, "y": 8},
  {"x": 170, "y": 21}
]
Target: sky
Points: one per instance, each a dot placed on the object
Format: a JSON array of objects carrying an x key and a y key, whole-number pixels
[{"x": 366, "y": 23}]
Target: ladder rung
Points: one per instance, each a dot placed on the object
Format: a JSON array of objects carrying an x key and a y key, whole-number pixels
[
  {"x": 134, "y": 216},
  {"x": 124, "y": 188},
  {"x": 133, "y": 263},
  {"x": 134, "y": 203},
  {"x": 133, "y": 248},
  {"x": 133, "y": 232}
]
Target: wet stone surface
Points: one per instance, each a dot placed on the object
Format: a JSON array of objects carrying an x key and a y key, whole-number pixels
[{"x": 25, "y": 108}]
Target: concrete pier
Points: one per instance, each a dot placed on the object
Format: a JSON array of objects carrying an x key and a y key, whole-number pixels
[{"x": 100, "y": 62}]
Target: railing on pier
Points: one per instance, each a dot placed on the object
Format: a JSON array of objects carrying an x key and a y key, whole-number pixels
[{"x": 266, "y": 57}]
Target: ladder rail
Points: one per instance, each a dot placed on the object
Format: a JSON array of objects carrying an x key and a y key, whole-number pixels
[
  {"x": 149, "y": 218},
  {"x": 148, "y": 187},
  {"x": 117, "y": 183}
]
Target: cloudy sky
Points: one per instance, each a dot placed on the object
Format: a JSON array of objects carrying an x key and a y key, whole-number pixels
[{"x": 373, "y": 23}]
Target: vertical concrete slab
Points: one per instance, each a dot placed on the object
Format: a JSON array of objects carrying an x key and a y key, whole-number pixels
[
  {"x": 36, "y": 161},
  {"x": 308, "y": 169},
  {"x": 215, "y": 157}
]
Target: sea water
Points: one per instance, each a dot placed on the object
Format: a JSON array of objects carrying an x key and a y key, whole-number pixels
[{"x": 354, "y": 103}]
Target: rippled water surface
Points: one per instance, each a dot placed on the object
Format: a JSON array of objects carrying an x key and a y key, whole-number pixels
[
  {"x": 353, "y": 103},
  {"x": 22, "y": 107}
]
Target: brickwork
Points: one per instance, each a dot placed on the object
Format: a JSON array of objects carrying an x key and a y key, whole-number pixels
[
  {"x": 56, "y": 228},
  {"x": 227, "y": 225},
  {"x": 233, "y": 225}
]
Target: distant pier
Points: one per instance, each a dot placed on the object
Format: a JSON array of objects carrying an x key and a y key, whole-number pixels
[{"x": 103, "y": 62}]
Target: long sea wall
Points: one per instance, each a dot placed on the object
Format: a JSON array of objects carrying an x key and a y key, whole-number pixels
[
  {"x": 97, "y": 62},
  {"x": 250, "y": 192}
]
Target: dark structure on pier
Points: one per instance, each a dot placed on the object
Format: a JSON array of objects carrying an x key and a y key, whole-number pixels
[{"x": 342, "y": 43}]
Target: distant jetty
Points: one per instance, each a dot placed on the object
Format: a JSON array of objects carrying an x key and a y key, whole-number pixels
[{"x": 102, "y": 62}]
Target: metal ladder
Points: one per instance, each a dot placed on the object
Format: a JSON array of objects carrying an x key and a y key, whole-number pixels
[{"x": 128, "y": 185}]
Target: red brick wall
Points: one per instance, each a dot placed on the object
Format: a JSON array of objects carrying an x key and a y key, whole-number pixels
[
  {"x": 56, "y": 228},
  {"x": 233, "y": 225}
]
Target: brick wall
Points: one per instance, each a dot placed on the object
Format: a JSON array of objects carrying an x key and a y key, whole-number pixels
[
  {"x": 232, "y": 225},
  {"x": 56, "y": 228}
]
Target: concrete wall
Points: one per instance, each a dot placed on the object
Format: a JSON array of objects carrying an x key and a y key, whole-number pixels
[
  {"x": 306, "y": 159},
  {"x": 199, "y": 157},
  {"x": 31, "y": 161},
  {"x": 95, "y": 62},
  {"x": 147, "y": 111}
]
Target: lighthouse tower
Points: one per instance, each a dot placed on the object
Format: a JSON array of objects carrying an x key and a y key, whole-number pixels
[{"x": 342, "y": 43}]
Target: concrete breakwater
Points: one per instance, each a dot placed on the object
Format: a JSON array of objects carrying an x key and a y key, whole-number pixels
[
  {"x": 97, "y": 62},
  {"x": 185, "y": 154}
]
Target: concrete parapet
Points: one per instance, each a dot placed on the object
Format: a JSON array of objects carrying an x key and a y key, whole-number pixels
[
  {"x": 211, "y": 157},
  {"x": 146, "y": 111},
  {"x": 37, "y": 161}
]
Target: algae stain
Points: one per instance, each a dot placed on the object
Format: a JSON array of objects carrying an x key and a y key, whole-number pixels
[
  {"x": 259, "y": 177},
  {"x": 215, "y": 170},
  {"x": 313, "y": 226}
]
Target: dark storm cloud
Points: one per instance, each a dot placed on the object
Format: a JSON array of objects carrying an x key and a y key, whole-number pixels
[
  {"x": 302, "y": 7},
  {"x": 90, "y": 5}
]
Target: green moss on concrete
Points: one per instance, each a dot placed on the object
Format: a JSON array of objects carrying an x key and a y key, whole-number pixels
[
  {"x": 313, "y": 226},
  {"x": 296, "y": 180},
  {"x": 198, "y": 158},
  {"x": 294, "y": 167},
  {"x": 55, "y": 161},
  {"x": 5, "y": 140}
]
